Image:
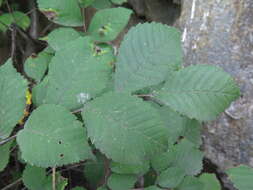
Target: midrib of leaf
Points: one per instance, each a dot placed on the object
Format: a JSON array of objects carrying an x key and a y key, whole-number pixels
[
  {"x": 124, "y": 126},
  {"x": 219, "y": 91},
  {"x": 216, "y": 92}
]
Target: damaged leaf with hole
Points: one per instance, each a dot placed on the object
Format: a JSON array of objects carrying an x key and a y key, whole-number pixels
[{"x": 55, "y": 141}]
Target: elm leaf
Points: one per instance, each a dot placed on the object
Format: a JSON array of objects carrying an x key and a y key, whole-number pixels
[
  {"x": 191, "y": 183},
  {"x": 199, "y": 91},
  {"x": 64, "y": 12},
  {"x": 171, "y": 177},
  {"x": 241, "y": 176},
  {"x": 12, "y": 98},
  {"x": 122, "y": 182},
  {"x": 19, "y": 18},
  {"x": 35, "y": 67},
  {"x": 55, "y": 38},
  {"x": 210, "y": 182},
  {"x": 125, "y": 128},
  {"x": 56, "y": 135},
  {"x": 108, "y": 23},
  {"x": 36, "y": 178},
  {"x": 76, "y": 74},
  {"x": 147, "y": 54},
  {"x": 118, "y": 2},
  {"x": 5, "y": 155},
  {"x": 98, "y": 4}
]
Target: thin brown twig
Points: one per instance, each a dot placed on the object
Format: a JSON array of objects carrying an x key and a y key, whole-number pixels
[
  {"x": 11, "y": 12},
  {"x": 145, "y": 95},
  {"x": 53, "y": 178},
  {"x": 68, "y": 168},
  {"x": 31, "y": 11},
  {"x": 84, "y": 16},
  {"x": 13, "y": 34},
  {"x": 34, "y": 20},
  {"x": 44, "y": 31},
  {"x": 13, "y": 44},
  {"x": 5, "y": 25},
  {"x": 12, "y": 184},
  {"x": 8, "y": 7},
  {"x": 7, "y": 140},
  {"x": 77, "y": 110}
]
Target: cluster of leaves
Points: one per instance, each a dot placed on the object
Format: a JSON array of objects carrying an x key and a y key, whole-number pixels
[{"x": 141, "y": 109}]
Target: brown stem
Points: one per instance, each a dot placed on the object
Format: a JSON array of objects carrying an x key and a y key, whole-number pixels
[
  {"x": 34, "y": 20},
  {"x": 53, "y": 178},
  {"x": 7, "y": 140},
  {"x": 145, "y": 95},
  {"x": 10, "y": 186},
  {"x": 13, "y": 44}
]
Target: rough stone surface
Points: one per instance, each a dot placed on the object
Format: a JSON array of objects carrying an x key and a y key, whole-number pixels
[{"x": 220, "y": 32}]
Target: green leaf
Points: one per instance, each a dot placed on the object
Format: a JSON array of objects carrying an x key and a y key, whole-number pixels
[
  {"x": 78, "y": 188},
  {"x": 200, "y": 91},
  {"x": 118, "y": 2},
  {"x": 174, "y": 122},
  {"x": 64, "y": 12},
  {"x": 17, "y": 17},
  {"x": 184, "y": 155},
  {"x": 161, "y": 162},
  {"x": 87, "y": 75},
  {"x": 35, "y": 67},
  {"x": 101, "y": 4},
  {"x": 152, "y": 188},
  {"x": 171, "y": 177},
  {"x": 108, "y": 23},
  {"x": 122, "y": 182},
  {"x": 192, "y": 132},
  {"x": 113, "y": 118},
  {"x": 49, "y": 50},
  {"x": 130, "y": 168},
  {"x": 94, "y": 172},
  {"x": 102, "y": 188},
  {"x": 241, "y": 176},
  {"x": 104, "y": 53},
  {"x": 146, "y": 55},
  {"x": 210, "y": 182},
  {"x": 12, "y": 98},
  {"x": 191, "y": 183},
  {"x": 5, "y": 155},
  {"x": 53, "y": 137},
  {"x": 85, "y": 3},
  {"x": 39, "y": 92},
  {"x": 150, "y": 178},
  {"x": 57, "y": 38},
  {"x": 35, "y": 178},
  {"x": 179, "y": 125}
]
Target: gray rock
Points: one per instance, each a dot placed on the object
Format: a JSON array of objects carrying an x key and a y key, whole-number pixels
[
  {"x": 220, "y": 32},
  {"x": 177, "y": 2}
]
